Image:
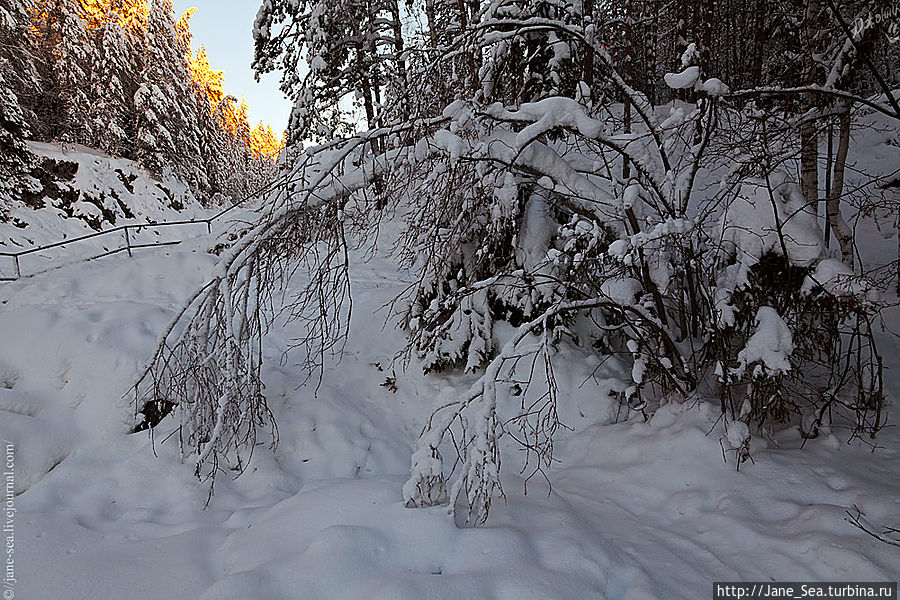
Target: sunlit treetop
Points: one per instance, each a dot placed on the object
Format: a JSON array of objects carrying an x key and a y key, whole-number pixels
[
  {"x": 264, "y": 143},
  {"x": 183, "y": 27},
  {"x": 233, "y": 115},
  {"x": 130, "y": 14},
  {"x": 208, "y": 80}
]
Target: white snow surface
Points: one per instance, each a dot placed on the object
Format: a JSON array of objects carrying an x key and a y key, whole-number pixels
[
  {"x": 128, "y": 194},
  {"x": 637, "y": 510},
  {"x": 684, "y": 80},
  {"x": 839, "y": 280}
]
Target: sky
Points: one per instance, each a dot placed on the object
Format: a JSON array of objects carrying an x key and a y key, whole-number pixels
[{"x": 225, "y": 28}]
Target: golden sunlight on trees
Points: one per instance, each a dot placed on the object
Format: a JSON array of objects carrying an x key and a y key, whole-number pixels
[
  {"x": 130, "y": 14},
  {"x": 264, "y": 142},
  {"x": 233, "y": 116},
  {"x": 209, "y": 83}
]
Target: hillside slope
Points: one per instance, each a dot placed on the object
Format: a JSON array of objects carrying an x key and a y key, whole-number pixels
[{"x": 82, "y": 191}]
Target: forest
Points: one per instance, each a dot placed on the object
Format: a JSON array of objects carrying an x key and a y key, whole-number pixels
[
  {"x": 643, "y": 179},
  {"x": 120, "y": 76}
]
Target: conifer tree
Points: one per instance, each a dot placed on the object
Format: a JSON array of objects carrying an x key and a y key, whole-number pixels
[
  {"x": 113, "y": 84},
  {"x": 17, "y": 75},
  {"x": 63, "y": 108},
  {"x": 338, "y": 59},
  {"x": 164, "y": 103}
]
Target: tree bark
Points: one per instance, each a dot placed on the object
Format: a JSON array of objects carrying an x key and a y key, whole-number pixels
[
  {"x": 809, "y": 138},
  {"x": 629, "y": 78},
  {"x": 400, "y": 61},
  {"x": 839, "y": 227},
  {"x": 432, "y": 24},
  {"x": 587, "y": 72}
]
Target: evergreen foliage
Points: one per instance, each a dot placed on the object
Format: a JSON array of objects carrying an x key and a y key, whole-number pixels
[{"x": 120, "y": 76}]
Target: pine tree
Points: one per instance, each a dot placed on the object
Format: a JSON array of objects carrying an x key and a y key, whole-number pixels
[
  {"x": 165, "y": 105},
  {"x": 333, "y": 53}
]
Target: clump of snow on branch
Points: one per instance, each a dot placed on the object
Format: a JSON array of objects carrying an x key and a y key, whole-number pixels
[{"x": 770, "y": 346}]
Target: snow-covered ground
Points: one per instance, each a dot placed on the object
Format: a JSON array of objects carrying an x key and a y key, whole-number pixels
[
  {"x": 86, "y": 192},
  {"x": 637, "y": 510}
]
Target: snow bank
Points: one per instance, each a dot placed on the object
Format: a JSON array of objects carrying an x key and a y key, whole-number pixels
[
  {"x": 85, "y": 191},
  {"x": 117, "y": 188},
  {"x": 684, "y": 80},
  {"x": 636, "y": 510},
  {"x": 837, "y": 279}
]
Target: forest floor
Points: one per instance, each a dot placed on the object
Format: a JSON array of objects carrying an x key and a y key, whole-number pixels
[{"x": 635, "y": 510}]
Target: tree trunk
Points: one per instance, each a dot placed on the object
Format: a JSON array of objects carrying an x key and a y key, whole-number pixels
[
  {"x": 432, "y": 24},
  {"x": 842, "y": 232},
  {"x": 829, "y": 177},
  {"x": 629, "y": 79},
  {"x": 472, "y": 75},
  {"x": 809, "y": 138},
  {"x": 400, "y": 61},
  {"x": 759, "y": 44},
  {"x": 809, "y": 163},
  {"x": 626, "y": 127},
  {"x": 587, "y": 72}
]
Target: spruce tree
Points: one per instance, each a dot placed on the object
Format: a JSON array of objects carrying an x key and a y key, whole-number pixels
[
  {"x": 330, "y": 52},
  {"x": 165, "y": 105},
  {"x": 62, "y": 110},
  {"x": 16, "y": 74},
  {"x": 113, "y": 84}
]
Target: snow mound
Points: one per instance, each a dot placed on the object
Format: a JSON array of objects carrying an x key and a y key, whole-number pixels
[
  {"x": 684, "y": 80},
  {"x": 839, "y": 280},
  {"x": 770, "y": 215},
  {"x": 770, "y": 345},
  {"x": 84, "y": 183},
  {"x": 637, "y": 509}
]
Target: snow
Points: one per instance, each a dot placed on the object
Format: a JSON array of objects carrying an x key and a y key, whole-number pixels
[
  {"x": 535, "y": 235},
  {"x": 714, "y": 87},
  {"x": 684, "y": 80},
  {"x": 839, "y": 280},
  {"x": 622, "y": 291},
  {"x": 690, "y": 56},
  {"x": 770, "y": 215},
  {"x": 636, "y": 509},
  {"x": 99, "y": 180},
  {"x": 771, "y": 344}
]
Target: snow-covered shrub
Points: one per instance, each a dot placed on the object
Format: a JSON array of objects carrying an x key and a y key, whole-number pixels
[
  {"x": 672, "y": 238},
  {"x": 505, "y": 268},
  {"x": 793, "y": 333},
  {"x": 459, "y": 233}
]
